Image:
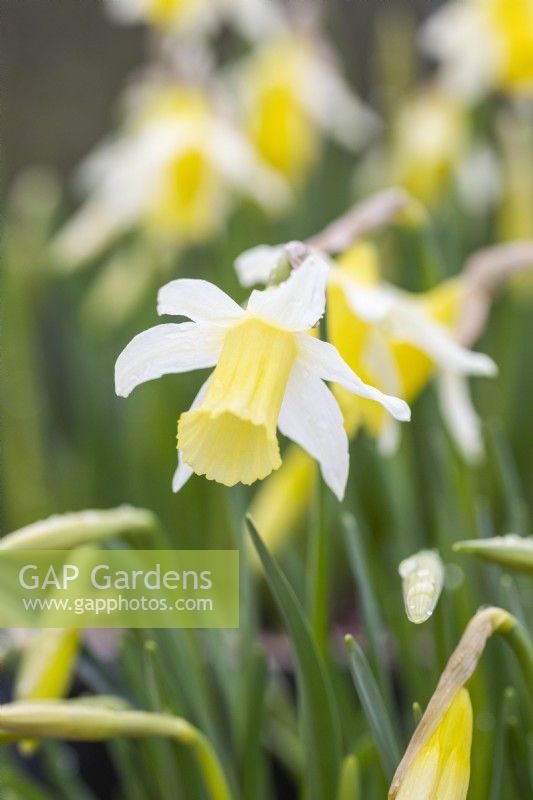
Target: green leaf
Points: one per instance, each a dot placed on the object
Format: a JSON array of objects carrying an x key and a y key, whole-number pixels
[
  {"x": 500, "y": 452},
  {"x": 349, "y": 779},
  {"x": 374, "y": 627},
  {"x": 15, "y": 783},
  {"x": 321, "y": 725},
  {"x": 374, "y": 708},
  {"x": 254, "y": 709}
]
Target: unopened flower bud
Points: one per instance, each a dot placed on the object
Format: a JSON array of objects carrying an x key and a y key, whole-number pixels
[{"x": 422, "y": 577}]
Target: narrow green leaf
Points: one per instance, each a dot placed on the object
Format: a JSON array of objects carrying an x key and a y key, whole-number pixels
[
  {"x": 374, "y": 708},
  {"x": 519, "y": 756},
  {"x": 166, "y": 774},
  {"x": 128, "y": 767},
  {"x": 374, "y": 627},
  {"x": 254, "y": 707},
  {"x": 321, "y": 725},
  {"x": 508, "y": 479},
  {"x": 281, "y": 733},
  {"x": 14, "y": 783},
  {"x": 498, "y": 760},
  {"x": 62, "y": 772},
  {"x": 318, "y": 569}
]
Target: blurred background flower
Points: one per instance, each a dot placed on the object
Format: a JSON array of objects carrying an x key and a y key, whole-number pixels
[
  {"x": 171, "y": 174},
  {"x": 483, "y": 45}
]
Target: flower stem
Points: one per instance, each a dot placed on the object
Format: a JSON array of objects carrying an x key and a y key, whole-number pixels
[
  {"x": 518, "y": 638},
  {"x": 80, "y": 720},
  {"x": 318, "y": 570}
]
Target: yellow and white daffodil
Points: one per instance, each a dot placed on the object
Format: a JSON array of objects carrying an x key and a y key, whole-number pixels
[
  {"x": 253, "y": 18},
  {"x": 174, "y": 172},
  {"x": 269, "y": 373},
  {"x": 292, "y": 94},
  {"x": 482, "y": 45},
  {"x": 432, "y": 150},
  {"x": 394, "y": 339},
  {"x": 403, "y": 343}
]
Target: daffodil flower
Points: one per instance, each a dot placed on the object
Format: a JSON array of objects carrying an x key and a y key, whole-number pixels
[
  {"x": 269, "y": 373},
  {"x": 394, "y": 339},
  {"x": 482, "y": 45},
  {"x": 174, "y": 173},
  {"x": 292, "y": 93},
  {"x": 432, "y": 150}
]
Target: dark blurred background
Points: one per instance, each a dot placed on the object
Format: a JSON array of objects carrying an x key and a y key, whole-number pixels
[{"x": 65, "y": 62}]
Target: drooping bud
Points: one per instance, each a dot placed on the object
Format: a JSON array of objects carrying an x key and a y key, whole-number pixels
[
  {"x": 512, "y": 551},
  {"x": 67, "y": 531},
  {"x": 447, "y": 715}
]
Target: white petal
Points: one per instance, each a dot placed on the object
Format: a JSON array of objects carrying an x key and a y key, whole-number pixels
[
  {"x": 167, "y": 349},
  {"x": 379, "y": 359},
  {"x": 122, "y": 174},
  {"x": 199, "y": 300},
  {"x": 256, "y": 265},
  {"x": 183, "y": 471},
  {"x": 298, "y": 303},
  {"x": 323, "y": 359},
  {"x": 371, "y": 304},
  {"x": 410, "y": 324},
  {"x": 460, "y": 415},
  {"x": 120, "y": 177},
  {"x": 181, "y": 475},
  {"x": 311, "y": 417}
]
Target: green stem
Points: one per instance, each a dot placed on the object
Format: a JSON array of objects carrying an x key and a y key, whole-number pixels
[
  {"x": 211, "y": 769},
  {"x": 88, "y": 721},
  {"x": 374, "y": 628},
  {"x": 517, "y": 636},
  {"x": 318, "y": 570}
]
